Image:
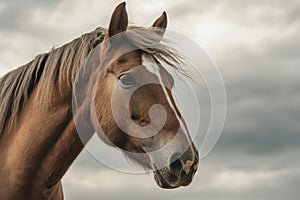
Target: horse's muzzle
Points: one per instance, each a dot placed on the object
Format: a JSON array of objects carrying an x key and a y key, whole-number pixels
[{"x": 178, "y": 173}]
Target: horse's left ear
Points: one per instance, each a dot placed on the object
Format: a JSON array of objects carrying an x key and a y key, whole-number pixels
[
  {"x": 161, "y": 23},
  {"x": 119, "y": 20}
]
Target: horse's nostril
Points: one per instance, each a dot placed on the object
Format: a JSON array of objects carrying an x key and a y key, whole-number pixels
[
  {"x": 134, "y": 117},
  {"x": 176, "y": 166}
]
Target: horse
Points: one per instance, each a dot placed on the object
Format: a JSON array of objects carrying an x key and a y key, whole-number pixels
[{"x": 39, "y": 137}]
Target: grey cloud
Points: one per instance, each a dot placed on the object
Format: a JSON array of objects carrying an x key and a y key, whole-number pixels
[
  {"x": 263, "y": 113},
  {"x": 255, "y": 14},
  {"x": 16, "y": 14},
  {"x": 262, "y": 189}
]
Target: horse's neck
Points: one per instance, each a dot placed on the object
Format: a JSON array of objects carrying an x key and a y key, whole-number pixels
[{"x": 41, "y": 149}]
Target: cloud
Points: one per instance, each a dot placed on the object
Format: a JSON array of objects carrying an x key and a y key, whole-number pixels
[
  {"x": 211, "y": 182},
  {"x": 15, "y": 14}
]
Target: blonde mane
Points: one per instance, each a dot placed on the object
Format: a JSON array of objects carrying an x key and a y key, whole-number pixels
[{"x": 59, "y": 65}]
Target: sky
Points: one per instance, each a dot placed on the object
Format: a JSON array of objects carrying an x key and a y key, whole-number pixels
[{"x": 256, "y": 46}]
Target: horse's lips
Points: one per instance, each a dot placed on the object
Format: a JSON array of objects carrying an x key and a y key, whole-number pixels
[
  {"x": 163, "y": 183},
  {"x": 160, "y": 180},
  {"x": 186, "y": 183}
]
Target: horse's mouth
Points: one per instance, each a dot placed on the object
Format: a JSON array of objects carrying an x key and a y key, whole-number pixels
[
  {"x": 166, "y": 180},
  {"x": 160, "y": 180}
]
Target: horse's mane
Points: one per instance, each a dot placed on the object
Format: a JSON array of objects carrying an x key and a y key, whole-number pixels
[
  {"x": 17, "y": 85},
  {"x": 60, "y": 66}
]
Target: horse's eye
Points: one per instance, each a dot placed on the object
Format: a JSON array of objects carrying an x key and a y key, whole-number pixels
[{"x": 127, "y": 80}]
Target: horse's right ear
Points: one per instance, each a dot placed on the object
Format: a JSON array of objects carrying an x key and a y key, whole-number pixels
[
  {"x": 119, "y": 20},
  {"x": 161, "y": 24}
]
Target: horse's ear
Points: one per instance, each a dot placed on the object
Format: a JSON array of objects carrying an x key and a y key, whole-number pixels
[
  {"x": 119, "y": 20},
  {"x": 161, "y": 23}
]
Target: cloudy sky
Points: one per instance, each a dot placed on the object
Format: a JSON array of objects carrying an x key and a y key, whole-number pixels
[{"x": 256, "y": 46}]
